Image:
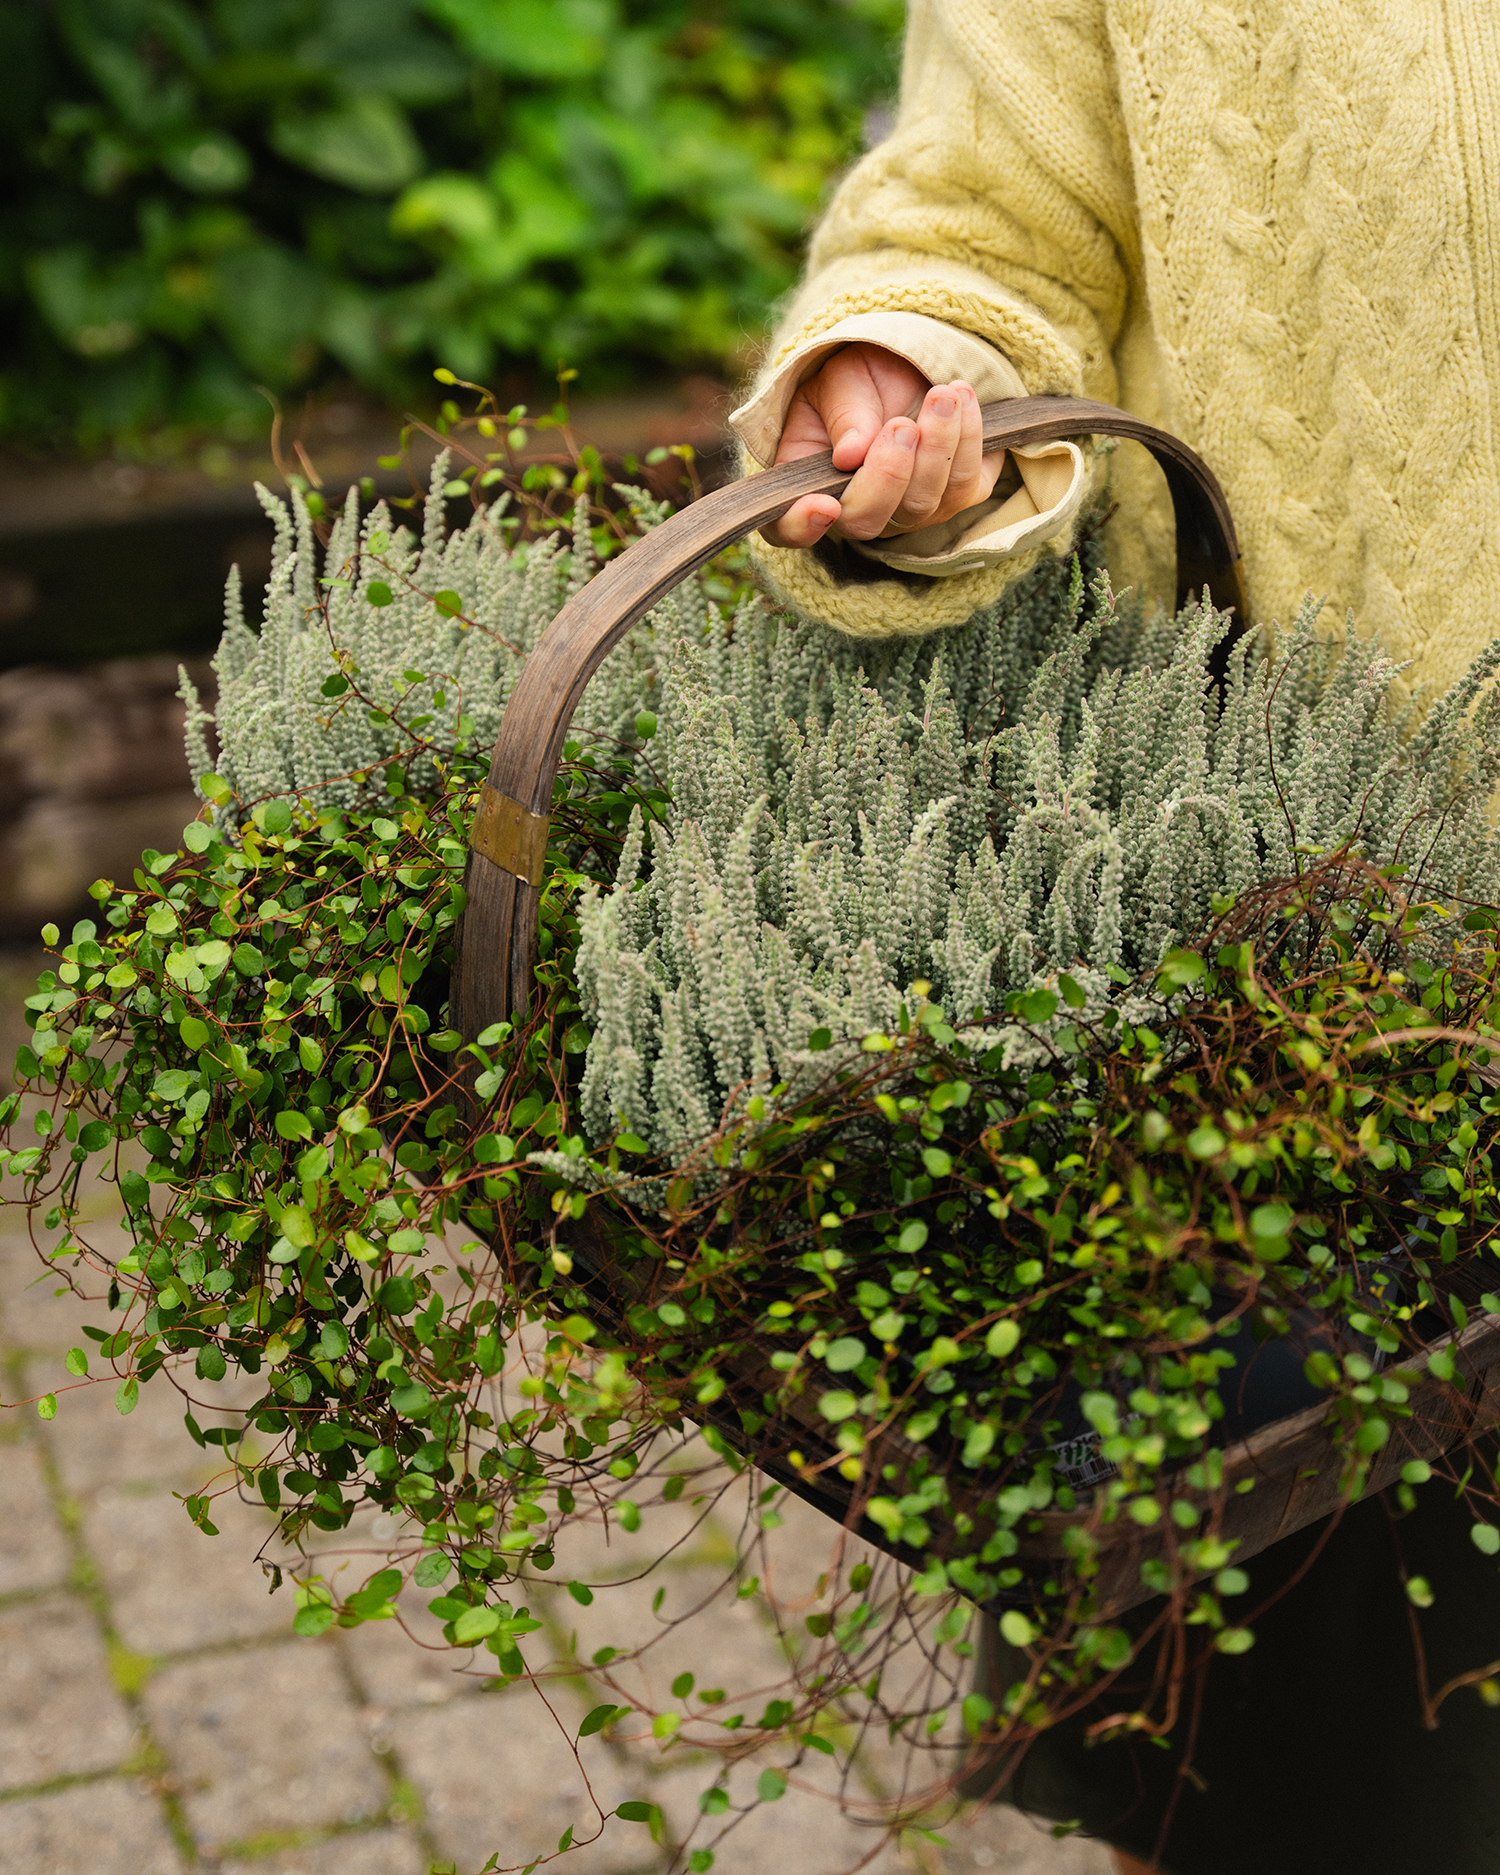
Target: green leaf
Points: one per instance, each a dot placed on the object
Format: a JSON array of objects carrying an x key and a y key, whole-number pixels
[
  {"x": 1270, "y": 1220},
  {"x": 315, "y": 1619},
  {"x": 46, "y": 1407},
  {"x": 378, "y": 592},
  {"x": 770, "y": 1785},
  {"x": 1034, "y": 1005},
  {"x": 978, "y": 1712},
  {"x": 844, "y": 1354},
  {"x": 599, "y": 1718},
  {"x": 1016, "y": 1629},
  {"x": 636, "y": 1812},
  {"x": 581, "y": 1593},
  {"x": 1486, "y": 1538},
  {"x": 1179, "y": 969},
  {"x": 195, "y": 1034},
  {"x": 398, "y": 1296},
  {"x": 475, "y": 1624},
  {"x": 76, "y": 1362},
  {"x": 837, "y": 1406},
  {"x": 450, "y": 604},
  {"x": 978, "y": 1443},
  {"x": 1235, "y": 1641},
  {"x": 211, "y": 1364},
  {"x": 127, "y": 1394},
  {"x": 296, "y": 1222},
  {"x": 364, "y": 143},
  {"x": 682, "y": 1685},
  {"x": 1003, "y": 1339}
]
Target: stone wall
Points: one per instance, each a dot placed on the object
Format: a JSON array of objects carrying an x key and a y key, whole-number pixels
[{"x": 91, "y": 771}]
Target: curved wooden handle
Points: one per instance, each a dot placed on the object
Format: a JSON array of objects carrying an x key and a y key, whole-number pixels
[{"x": 497, "y": 938}]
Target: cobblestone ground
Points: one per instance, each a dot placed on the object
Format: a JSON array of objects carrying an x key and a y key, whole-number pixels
[{"x": 157, "y": 1715}]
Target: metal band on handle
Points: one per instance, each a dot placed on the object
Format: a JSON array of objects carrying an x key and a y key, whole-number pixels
[{"x": 510, "y": 835}]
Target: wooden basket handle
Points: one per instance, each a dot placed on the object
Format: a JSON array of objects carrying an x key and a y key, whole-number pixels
[{"x": 508, "y": 841}]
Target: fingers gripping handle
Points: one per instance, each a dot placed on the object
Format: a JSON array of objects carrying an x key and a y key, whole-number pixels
[{"x": 497, "y": 937}]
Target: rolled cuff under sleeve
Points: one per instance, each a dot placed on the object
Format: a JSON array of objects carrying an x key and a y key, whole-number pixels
[{"x": 1053, "y": 483}]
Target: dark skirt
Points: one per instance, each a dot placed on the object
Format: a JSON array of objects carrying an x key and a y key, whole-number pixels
[{"x": 1311, "y": 1757}]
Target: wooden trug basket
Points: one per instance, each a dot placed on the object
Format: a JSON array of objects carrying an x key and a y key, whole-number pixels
[{"x": 1294, "y": 1464}]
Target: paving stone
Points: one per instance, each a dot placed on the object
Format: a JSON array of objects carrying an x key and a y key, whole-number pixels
[
  {"x": 496, "y": 1774},
  {"x": 806, "y": 1829},
  {"x": 393, "y": 1665},
  {"x": 35, "y": 1319},
  {"x": 59, "y": 1714},
  {"x": 97, "y": 1445},
  {"x": 171, "y": 1587},
  {"x": 111, "y": 1828},
  {"x": 356, "y": 1852},
  {"x": 742, "y": 1657},
  {"x": 999, "y": 1840},
  {"x": 265, "y": 1739},
  {"x": 33, "y": 1550},
  {"x": 396, "y": 1668}
]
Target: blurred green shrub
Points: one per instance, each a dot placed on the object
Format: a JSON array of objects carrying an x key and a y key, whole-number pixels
[{"x": 215, "y": 194}]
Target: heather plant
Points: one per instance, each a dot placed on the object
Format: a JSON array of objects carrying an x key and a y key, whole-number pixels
[
  {"x": 1056, "y": 789},
  {"x": 408, "y": 660}
]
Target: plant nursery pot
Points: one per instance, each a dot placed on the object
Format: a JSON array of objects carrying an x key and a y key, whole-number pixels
[{"x": 1282, "y": 1465}]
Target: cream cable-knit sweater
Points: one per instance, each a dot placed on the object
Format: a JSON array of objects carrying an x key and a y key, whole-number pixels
[{"x": 1270, "y": 227}]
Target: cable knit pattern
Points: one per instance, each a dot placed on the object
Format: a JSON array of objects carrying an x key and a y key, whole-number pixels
[{"x": 1270, "y": 227}]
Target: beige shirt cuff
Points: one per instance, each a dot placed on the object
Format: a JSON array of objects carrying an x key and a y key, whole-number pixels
[{"x": 1052, "y": 475}]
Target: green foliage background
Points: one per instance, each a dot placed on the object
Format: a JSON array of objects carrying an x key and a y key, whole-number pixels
[{"x": 239, "y": 192}]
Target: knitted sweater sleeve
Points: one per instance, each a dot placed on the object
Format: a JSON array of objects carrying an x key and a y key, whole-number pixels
[{"x": 1001, "y": 204}]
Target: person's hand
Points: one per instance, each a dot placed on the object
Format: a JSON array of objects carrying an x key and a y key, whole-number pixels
[{"x": 910, "y": 473}]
